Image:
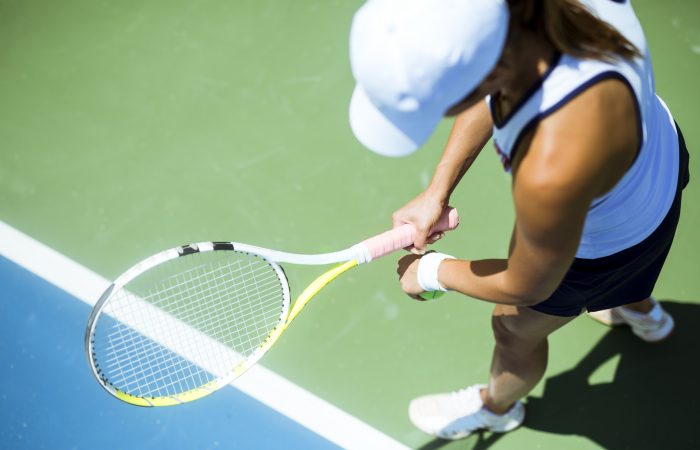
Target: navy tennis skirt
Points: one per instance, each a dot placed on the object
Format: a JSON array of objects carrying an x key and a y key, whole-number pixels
[{"x": 625, "y": 277}]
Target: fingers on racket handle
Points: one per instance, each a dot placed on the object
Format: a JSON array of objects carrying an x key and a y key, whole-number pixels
[{"x": 404, "y": 236}]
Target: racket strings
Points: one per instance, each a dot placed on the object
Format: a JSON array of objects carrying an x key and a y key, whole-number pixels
[
  {"x": 167, "y": 361},
  {"x": 187, "y": 321}
]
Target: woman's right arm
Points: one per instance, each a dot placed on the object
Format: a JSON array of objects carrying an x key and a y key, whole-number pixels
[{"x": 471, "y": 131}]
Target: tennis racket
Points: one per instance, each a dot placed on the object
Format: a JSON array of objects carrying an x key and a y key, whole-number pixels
[{"x": 188, "y": 321}]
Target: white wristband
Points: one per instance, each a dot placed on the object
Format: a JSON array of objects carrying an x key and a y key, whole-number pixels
[{"x": 428, "y": 271}]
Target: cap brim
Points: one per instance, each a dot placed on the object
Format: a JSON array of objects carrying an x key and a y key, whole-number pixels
[{"x": 389, "y": 133}]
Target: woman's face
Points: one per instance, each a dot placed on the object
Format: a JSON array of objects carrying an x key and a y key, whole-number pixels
[
  {"x": 490, "y": 85},
  {"x": 504, "y": 74}
]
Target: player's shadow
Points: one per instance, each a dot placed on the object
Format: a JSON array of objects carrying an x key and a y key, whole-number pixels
[{"x": 651, "y": 400}]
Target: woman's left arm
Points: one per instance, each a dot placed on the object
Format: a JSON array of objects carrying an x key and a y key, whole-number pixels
[
  {"x": 549, "y": 221},
  {"x": 564, "y": 169}
]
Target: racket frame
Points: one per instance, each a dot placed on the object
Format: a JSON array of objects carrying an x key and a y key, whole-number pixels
[{"x": 156, "y": 260}]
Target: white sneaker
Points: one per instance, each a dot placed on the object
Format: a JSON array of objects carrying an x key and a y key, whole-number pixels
[
  {"x": 653, "y": 326},
  {"x": 456, "y": 415}
]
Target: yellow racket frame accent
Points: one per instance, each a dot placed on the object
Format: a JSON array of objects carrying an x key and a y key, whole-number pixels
[
  {"x": 304, "y": 298},
  {"x": 214, "y": 385}
]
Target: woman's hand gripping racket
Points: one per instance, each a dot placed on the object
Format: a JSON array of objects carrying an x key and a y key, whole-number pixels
[{"x": 187, "y": 321}]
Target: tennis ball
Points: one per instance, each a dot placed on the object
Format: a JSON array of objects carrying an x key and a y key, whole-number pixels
[{"x": 432, "y": 295}]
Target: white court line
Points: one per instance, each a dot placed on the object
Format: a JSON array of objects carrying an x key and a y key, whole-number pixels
[{"x": 260, "y": 383}]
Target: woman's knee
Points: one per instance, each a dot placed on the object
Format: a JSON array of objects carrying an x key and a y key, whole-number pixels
[
  {"x": 521, "y": 328},
  {"x": 508, "y": 335},
  {"x": 515, "y": 333}
]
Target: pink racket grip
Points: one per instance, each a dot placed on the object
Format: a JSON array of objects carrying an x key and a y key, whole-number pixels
[{"x": 403, "y": 236}]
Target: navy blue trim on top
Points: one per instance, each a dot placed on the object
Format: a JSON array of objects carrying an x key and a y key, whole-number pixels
[
  {"x": 500, "y": 123},
  {"x": 570, "y": 96}
]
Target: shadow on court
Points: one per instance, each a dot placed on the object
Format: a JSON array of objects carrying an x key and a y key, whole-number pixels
[
  {"x": 652, "y": 401},
  {"x": 480, "y": 441}
]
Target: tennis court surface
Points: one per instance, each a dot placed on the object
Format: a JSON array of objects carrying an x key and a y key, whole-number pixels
[{"x": 134, "y": 126}]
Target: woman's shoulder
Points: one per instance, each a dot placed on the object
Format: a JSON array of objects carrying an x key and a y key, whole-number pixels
[{"x": 594, "y": 136}]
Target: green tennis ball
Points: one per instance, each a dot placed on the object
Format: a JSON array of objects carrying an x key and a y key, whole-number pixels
[{"x": 432, "y": 295}]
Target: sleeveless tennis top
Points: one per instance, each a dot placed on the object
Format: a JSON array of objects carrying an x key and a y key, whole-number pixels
[{"x": 635, "y": 207}]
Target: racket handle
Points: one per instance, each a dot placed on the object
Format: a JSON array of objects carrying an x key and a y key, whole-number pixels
[{"x": 401, "y": 237}]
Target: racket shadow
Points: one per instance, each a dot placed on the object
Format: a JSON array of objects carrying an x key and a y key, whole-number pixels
[{"x": 650, "y": 403}]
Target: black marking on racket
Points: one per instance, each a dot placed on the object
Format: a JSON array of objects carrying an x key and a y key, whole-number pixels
[
  {"x": 188, "y": 249},
  {"x": 223, "y": 245}
]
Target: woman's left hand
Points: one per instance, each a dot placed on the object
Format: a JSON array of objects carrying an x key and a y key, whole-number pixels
[{"x": 407, "y": 270}]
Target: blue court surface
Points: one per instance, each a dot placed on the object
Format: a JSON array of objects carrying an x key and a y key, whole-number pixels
[{"x": 49, "y": 399}]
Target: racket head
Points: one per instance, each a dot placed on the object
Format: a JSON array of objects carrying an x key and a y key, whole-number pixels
[{"x": 185, "y": 322}]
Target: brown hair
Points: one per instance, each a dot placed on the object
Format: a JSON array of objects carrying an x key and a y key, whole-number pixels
[{"x": 572, "y": 29}]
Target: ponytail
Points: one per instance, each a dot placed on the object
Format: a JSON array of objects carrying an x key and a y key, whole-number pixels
[{"x": 572, "y": 29}]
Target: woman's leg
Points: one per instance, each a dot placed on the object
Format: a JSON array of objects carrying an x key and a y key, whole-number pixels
[{"x": 520, "y": 356}]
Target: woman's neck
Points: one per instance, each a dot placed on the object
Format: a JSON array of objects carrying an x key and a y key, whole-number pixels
[{"x": 526, "y": 59}]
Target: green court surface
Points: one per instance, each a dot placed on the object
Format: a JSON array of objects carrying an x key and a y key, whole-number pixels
[{"x": 127, "y": 127}]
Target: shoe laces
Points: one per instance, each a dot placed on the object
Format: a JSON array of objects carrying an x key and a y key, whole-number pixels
[{"x": 468, "y": 397}]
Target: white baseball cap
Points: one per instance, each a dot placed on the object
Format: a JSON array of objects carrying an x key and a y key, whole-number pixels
[{"x": 413, "y": 60}]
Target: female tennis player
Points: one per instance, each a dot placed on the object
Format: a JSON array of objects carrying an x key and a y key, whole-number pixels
[{"x": 566, "y": 90}]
